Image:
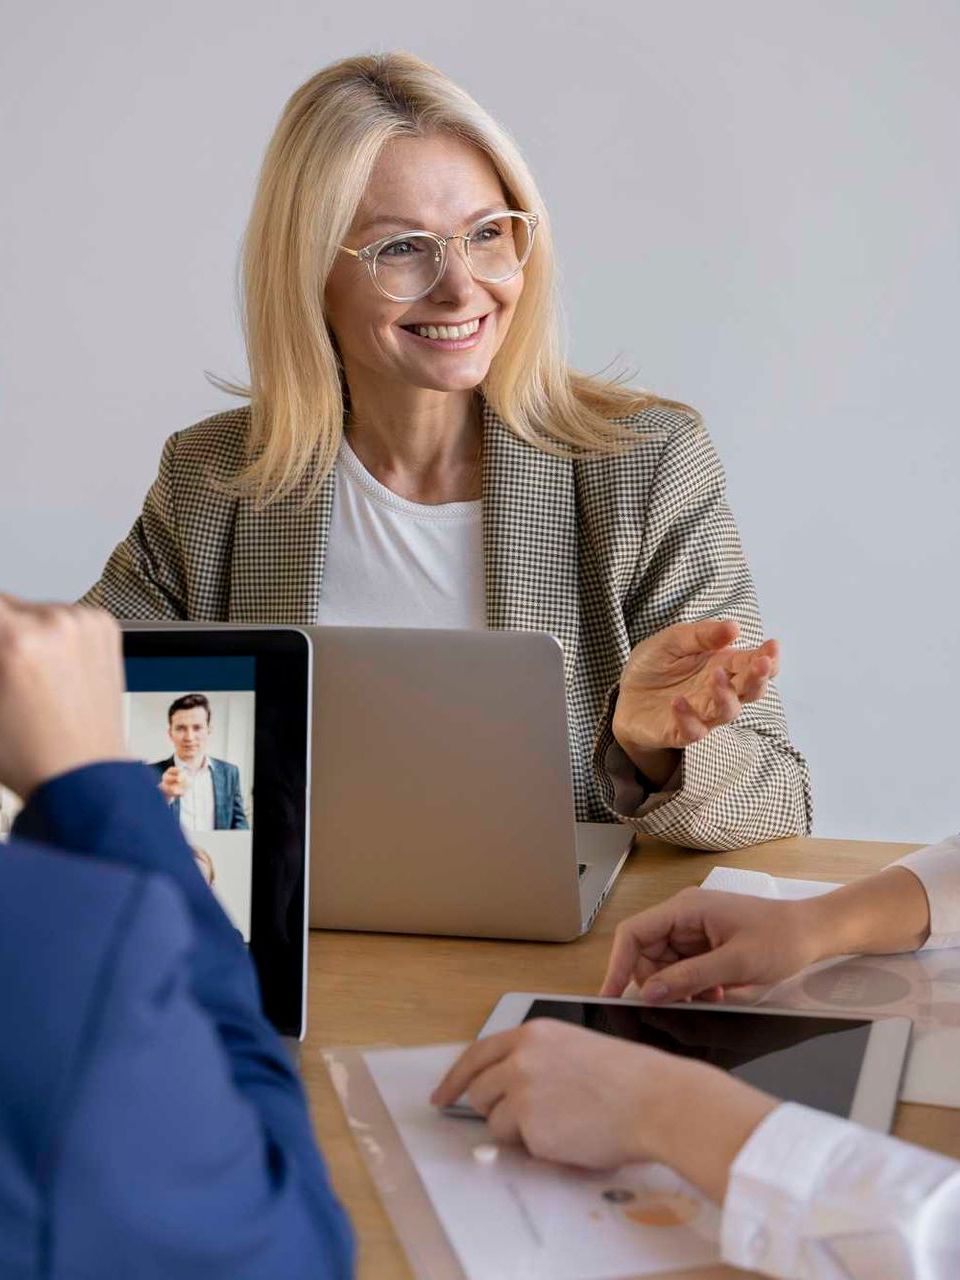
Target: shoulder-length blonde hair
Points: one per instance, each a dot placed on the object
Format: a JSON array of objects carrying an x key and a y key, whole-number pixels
[{"x": 316, "y": 168}]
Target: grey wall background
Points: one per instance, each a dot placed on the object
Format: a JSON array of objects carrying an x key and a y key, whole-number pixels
[{"x": 755, "y": 203}]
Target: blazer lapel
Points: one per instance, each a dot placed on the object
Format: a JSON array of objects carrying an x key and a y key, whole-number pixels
[
  {"x": 529, "y": 539},
  {"x": 278, "y": 557}
]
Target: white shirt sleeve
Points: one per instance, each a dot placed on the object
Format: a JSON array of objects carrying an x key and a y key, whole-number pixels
[
  {"x": 814, "y": 1197},
  {"x": 938, "y": 869}
]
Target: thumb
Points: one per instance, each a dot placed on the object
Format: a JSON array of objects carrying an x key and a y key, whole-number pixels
[{"x": 718, "y": 968}]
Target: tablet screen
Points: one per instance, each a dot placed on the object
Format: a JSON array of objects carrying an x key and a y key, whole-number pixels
[
  {"x": 192, "y": 722},
  {"x": 220, "y": 716},
  {"x": 811, "y": 1060}
]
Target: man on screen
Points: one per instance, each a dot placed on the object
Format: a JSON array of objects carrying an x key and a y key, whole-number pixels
[{"x": 203, "y": 792}]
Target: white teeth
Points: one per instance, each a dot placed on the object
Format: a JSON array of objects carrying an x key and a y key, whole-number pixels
[{"x": 447, "y": 332}]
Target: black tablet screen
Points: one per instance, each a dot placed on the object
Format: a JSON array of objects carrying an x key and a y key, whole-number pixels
[
  {"x": 220, "y": 717},
  {"x": 815, "y": 1061}
]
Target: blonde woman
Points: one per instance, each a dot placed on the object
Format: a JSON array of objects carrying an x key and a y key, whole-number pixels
[{"x": 416, "y": 452}]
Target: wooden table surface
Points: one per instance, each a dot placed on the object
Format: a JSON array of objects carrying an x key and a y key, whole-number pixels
[{"x": 392, "y": 989}]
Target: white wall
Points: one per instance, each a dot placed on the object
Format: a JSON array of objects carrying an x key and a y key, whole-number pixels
[{"x": 755, "y": 203}]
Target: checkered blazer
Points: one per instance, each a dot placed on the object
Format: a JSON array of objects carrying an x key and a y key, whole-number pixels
[{"x": 600, "y": 552}]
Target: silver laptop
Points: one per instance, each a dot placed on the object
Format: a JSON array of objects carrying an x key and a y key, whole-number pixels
[{"x": 442, "y": 796}]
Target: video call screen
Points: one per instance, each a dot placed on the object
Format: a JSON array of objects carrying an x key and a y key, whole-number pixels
[
  {"x": 191, "y": 720},
  {"x": 812, "y": 1060}
]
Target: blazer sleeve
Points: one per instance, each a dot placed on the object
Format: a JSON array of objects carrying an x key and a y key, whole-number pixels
[
  {"x": 145, "y": 575},
  {"x": 196, "y": 1074},
  {"x": 745, "y": 782}
]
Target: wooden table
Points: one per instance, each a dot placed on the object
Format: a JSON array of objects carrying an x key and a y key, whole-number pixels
[{"x": 391, "y": 989}]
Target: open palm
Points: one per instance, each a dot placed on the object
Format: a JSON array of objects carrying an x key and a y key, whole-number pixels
[{"x": 684, "y": 681}]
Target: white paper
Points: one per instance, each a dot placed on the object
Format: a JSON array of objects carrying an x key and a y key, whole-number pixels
[
  {"x": 516, "y": 1218},
  {"x": 922, "y": 985}
]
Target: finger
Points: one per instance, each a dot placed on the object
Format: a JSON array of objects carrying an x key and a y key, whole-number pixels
[
  {"x": 722, "y": 967},
  {"x": 503, "y": 1123},
  {"x": 750, "y": 679},
  {"x": 688, "y": 726},
  {"x": 771, "y": 649},
  {"x": 488, "y": 1087},
  {"x": 704, "y": 637},
  {"x": 726, "y": 704},
  {"x": 646, "y": 934},
  {"x": 477, "y": 1057}
]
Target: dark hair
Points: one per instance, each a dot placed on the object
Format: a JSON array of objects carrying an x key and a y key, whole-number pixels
[{"x": 187, "y": 703}]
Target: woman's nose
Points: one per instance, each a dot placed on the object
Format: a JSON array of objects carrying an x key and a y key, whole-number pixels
[{"x": 456, "y": 284}]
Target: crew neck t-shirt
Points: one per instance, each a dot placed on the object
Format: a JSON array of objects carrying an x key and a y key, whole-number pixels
[{"x": 395, "y": 563}]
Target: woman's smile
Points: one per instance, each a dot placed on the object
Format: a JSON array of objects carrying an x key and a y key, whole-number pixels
[{"x": 449, "y": 337}]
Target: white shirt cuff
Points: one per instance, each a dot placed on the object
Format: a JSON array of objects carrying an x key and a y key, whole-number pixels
[
  {"x": 811, "y": 1194},
  {"x": 938, "y": 869}
]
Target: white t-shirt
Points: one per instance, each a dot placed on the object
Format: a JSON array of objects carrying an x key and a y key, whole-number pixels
[{"x": 394, "y": 563}]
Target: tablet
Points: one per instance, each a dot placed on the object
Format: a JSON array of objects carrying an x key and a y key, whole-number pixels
[
  {"x": 221, "y": 716},
  {"x": 850, "y": 1067}
]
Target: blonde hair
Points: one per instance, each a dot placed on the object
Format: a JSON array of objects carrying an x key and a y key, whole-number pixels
[{"x": 316, "y": 168}]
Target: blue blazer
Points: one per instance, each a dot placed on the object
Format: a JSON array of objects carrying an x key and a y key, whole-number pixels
[
  {"x": 151, "y": 1124},
  {"x": 227, "y": 800}
]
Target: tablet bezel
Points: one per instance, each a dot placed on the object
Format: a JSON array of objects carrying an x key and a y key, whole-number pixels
[
  {"x": 881, "y": 1071},
  {"x": 288, "y": 655}
]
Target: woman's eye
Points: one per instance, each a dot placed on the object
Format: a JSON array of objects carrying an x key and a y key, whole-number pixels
[
  {"x": 485, "y": 234},
  {"x": 401, "y": 249}
]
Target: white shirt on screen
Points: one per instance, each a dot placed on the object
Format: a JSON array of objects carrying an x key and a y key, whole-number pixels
[
  {"x": 814, "y": 1197},
  {"x": 197, "y": 809},
  {"x": 395, "y": 563}
]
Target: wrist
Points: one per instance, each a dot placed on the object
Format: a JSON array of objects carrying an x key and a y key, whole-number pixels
[
  {"x": 702, "y": 1118},
  {"x": 656, "y": 763},
  {"x": 884, "y": 913}
]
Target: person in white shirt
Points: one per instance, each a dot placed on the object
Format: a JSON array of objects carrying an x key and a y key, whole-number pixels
[{"x": 804, "y": 1194}]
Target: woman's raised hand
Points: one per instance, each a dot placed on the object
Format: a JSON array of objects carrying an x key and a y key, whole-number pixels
[
  {"x": 704, "y": 944},
  {"x": 684, "y": 681}
]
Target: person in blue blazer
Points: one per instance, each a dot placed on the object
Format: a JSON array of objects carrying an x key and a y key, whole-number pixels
[
  {"x": 203, "y": 792},
  {"x": 151, "y": 1124}
]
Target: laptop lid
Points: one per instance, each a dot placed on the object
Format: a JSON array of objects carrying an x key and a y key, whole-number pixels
[{"x": 442, "y": 791}]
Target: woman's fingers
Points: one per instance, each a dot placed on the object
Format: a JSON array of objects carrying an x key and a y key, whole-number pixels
[
  {"x": 488, "y": 1087},
  {"x": 688, "y": 978},
  {"x": 726, "y": 704},
  {"x": 502, "y": 1121},
  {"x": 643, "y": 944},
  {"x": 689, "y": 727},
  {"x": 689, "y": 638},
  {"x": 477, "y": 1057}
]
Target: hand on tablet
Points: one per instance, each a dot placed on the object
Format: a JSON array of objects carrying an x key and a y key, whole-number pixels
[
  {"x": 701, "y": 944},
  {"x": 61, "y": 688},
  {"x": 582, "y": 1098}
]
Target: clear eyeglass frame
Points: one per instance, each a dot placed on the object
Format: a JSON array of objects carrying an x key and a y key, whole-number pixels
[{"x": 368, "y": 253}]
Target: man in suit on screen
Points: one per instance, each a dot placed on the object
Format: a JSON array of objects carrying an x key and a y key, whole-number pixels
[{"x": 203, "y": 792}]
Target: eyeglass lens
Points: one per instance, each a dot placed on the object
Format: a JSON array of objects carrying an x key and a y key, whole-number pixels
[{"x": 409, "y": 266}]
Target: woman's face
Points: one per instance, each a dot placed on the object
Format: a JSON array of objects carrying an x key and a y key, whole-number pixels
[{"x": 435, "y": 184}]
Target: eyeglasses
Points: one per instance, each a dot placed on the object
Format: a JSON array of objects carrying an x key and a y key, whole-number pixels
[{"x": 408, "y": 266}]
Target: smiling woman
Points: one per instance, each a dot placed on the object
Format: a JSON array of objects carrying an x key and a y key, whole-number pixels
[{"x": 417, "y": 452}]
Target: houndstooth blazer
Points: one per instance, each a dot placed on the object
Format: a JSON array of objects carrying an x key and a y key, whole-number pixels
[{"x": 600, "y": 552}]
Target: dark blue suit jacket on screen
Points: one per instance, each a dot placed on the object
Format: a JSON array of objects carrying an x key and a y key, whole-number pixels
[{"x": 151, "y": 1125}]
